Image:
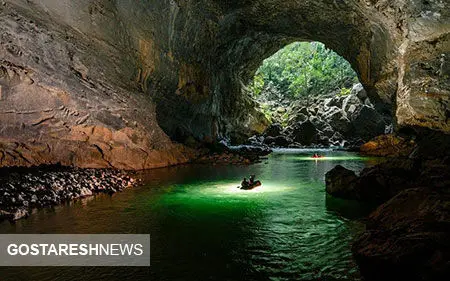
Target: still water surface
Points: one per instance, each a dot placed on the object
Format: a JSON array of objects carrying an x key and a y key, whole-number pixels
[{"x": 203, "y": 228}]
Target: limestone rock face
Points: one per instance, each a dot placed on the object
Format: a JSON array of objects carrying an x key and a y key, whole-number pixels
[
  {"x": 278, "y": 141},
  {"x": 274, "y": 130},
  {"x": 341, "y": 182},
  {"x": 135, "y": 67},
  {"x": 367, "y": 122},
  {"x": 406, "y": 238},
  {"x": 375, "y": 184},
  {"x": 68, "y": 94},
  {"x": 388, "y": 145},
  {"x": 338, "y": 120},
  {"x": 305, "y": 133}
]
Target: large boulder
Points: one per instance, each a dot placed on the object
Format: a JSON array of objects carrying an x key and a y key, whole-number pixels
[
  {"x": 305, "y": 133},
  {"x": 255, "y": 140},
  {"x": 407, "y": 237},
  {"x": 388, "y": 145},
  {"x": 327, "y": 131},
  {"x": 384, "y": 181},
  {"x": 376, "y": 184},
  {"x": 317, "y": 122},
  {"x": 250, "y": 151},
  {"x": 368, "y": 123},
  {"x": 341, "y": 182},
  {"x": 297, "y": 117},
  {"x": 273, "y": 130},
  {"x": 351, "y": 100},
  {"x": 359, "y": 91},
  {"x": 278, "y": 141},
  {"x": 337, "y": 139},
  {"x": 339, "y": 122},
  {"x": 335, "y": 101}
]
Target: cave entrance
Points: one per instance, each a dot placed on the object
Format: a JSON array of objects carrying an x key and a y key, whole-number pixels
[{"x": 312, "y": 96}]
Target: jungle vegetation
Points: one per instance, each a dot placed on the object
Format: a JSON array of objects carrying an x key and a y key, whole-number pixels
[{"x": 304, "y": 68}]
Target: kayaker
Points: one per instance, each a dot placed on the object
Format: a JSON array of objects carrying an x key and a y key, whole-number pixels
[
  {"x": 252, "y": 180},
  {"x": 245, "y": 183}
]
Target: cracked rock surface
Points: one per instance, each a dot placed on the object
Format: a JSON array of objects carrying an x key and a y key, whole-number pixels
[{"x": 97, "y": 83}]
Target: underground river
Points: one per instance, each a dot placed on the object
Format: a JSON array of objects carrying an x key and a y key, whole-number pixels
[{"x": 203, "y": 228}]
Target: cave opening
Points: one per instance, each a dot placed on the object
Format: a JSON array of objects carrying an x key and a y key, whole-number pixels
[{"x": 311, "y": 96}]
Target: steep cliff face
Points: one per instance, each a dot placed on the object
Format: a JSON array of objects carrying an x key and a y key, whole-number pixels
[
  {"x": 98, "y": 79},
  {"x": 71, "y": 89}
]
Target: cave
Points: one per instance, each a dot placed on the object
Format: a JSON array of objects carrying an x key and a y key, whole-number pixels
[
  {"x": 79, "y": 63},
  {"x": 92, "y": 87},
  {"x": 311, "y": 96}
]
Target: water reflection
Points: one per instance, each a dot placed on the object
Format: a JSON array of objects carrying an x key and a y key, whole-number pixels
[{"x": 203, "y": 228}]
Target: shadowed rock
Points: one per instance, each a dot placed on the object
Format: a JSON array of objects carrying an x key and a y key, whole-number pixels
[
  {"x": 407, "y": 237},
  {"x": 388, "y": 145},
  {"x": 24, "y": 189},
  {"x": 180, "y": 66},
  {"x": 375, "y": 184},
  {"x": 341, "y": 182}
]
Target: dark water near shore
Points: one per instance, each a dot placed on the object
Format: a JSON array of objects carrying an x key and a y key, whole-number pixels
[{"x": 203, "y": 228}]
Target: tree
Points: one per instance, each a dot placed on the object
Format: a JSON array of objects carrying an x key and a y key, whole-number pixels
[{"x": 303, "y": 69}]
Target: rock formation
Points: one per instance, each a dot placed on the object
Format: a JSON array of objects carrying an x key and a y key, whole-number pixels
[
  {"x": 74, "y": 71},
  {"x": 23, "y": 190},
  {"x": 101, "y": 83},
  {"x": 324, "y": 120},
  {"x": 67, "y": 94},
  {"x": 406, "y": 237},
  {"x": 388, "y": 146},
  {"x": 375, "y": 184}
]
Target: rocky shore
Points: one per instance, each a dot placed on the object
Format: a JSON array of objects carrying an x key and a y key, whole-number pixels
[
  {"x": 22, "y": 189},
  {"x": 25, "y": 188},
  {"x": 406, "y": 236},
  {"x": 242, "y": 154}
]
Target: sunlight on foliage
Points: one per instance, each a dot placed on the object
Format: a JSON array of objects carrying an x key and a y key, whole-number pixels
[
  {"x": 304, "y": 68},
  {"x": 258, "y": 84},
  {"x": 265, "y": 108},
  {"x": 345, "y": 91}
]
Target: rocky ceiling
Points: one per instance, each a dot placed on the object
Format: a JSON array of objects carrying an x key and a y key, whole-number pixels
[{"x": 98, "y": 79}]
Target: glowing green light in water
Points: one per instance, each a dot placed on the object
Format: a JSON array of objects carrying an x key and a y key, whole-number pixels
[
  {"x": 203, "y": 227},
  {"x": 331, "y": 158},
  {"x": 222, "y": 189},
  {"x": 231, "y": 188}
]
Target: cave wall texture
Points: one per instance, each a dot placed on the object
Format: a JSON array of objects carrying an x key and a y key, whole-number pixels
[{"x": 104, "y": 83}]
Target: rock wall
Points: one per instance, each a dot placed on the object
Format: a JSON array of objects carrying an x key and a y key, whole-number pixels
[
  {"x": 323, "y": 120},
  {"x": 71, "y": 89},
  {"x": 94, "y": 81}
]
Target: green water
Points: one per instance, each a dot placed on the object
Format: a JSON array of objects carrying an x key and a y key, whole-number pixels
[{"x": 203, "y": 228}]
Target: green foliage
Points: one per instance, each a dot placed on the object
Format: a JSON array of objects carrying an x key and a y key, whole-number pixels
[
  {"x": 265, "y": 108},
  {"x": 257, "y": 85},
  {"x": 345, "y": 92},
  {"x": 304, "y": 68},
  {"x": 285, "y": 119}
]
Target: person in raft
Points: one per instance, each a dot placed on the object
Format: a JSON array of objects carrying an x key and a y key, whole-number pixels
[
  {"x": 250, "y": 184},
  {"x": 244, "y": 184},
  {"x": 252, "y": 179}
]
